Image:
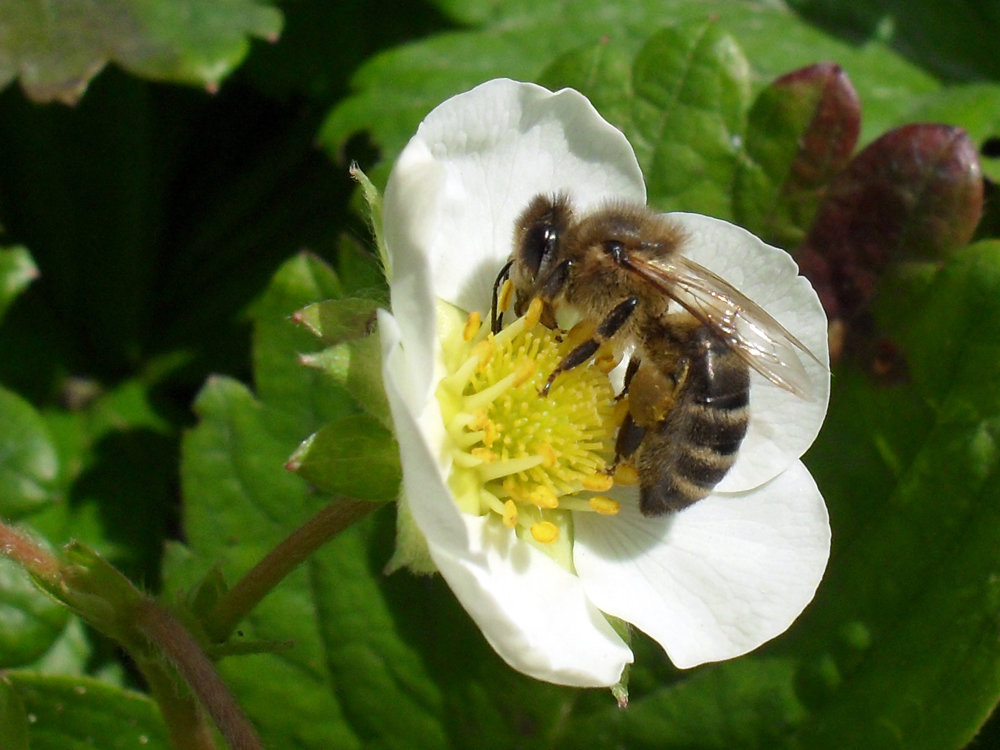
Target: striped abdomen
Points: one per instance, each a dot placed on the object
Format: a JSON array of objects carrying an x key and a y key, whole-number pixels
[{"x": 682, "y": 460}]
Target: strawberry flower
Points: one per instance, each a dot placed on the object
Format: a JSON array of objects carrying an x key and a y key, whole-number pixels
[{"x": 504, "y": 492}]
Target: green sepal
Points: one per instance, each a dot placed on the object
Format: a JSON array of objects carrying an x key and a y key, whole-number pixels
[
  {"x": 355, "y": 457},
  {"x": 373, "y": 200},
  {"x": 411, "y": 550},
  {"x": 101, "y": 595},
  {"x": 620, "y": 689},
  {"x": 337, "y": 320},
  {"x": 357, "y": 367}
]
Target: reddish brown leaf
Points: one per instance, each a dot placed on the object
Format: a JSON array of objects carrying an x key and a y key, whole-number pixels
[
  {"x": 801, "y": 132},
  {"x": 916, "y": 193}
]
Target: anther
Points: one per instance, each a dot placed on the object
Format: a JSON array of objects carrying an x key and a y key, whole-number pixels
[
  {"x": 484, "y": 454},
  {"x": 510, "y": 514},
  {"x": 550, "y": 458},
  {"x": 604, "y": 505},
  {"x": 525, "y": 369},
  {"x": 545, "y": 532},
  {"x": 506, "y": 292},
  {"x": 472, "y": 324},
  {"x": 483, "y": 353},
  {"x": 534, "y": 314},
  {"x": 543, "y": 497},
  {"x": 598, "y": 483}
]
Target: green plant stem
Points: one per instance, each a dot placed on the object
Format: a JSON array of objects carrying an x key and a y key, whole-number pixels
[
  {"x": 246, "y": 593},
  {"x": 187, "y": 731},
  {"x": 185, "y": 723},
  {"x": 33, "y": 558}
]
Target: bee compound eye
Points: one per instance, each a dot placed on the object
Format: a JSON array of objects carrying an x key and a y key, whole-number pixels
[{"x": 537, "y": 246}]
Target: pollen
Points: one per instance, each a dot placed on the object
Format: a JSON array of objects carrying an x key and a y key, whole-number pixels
[{"x": 527, "y": 460}]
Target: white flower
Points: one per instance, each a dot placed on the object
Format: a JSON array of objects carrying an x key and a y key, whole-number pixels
[{"x": 709, "y": 583}]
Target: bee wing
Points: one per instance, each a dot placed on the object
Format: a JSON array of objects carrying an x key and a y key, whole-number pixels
[{"x": 754, "y": 335}]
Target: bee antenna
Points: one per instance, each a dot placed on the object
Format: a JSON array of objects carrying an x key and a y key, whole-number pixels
[{"x": 496, "y": 317}]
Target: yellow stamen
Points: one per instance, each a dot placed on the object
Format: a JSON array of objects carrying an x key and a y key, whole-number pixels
[
  {"x": 525, "y": 369},
  {"x": 598, "y": 483},
  {"x": 604, "y": 505},
  {"x": 490, "y": 433},
  {"x": 484, "y": 454},
  {"x": 506, "y": 292},
  {"x": 509, "y": 514},
  {"x": 472, "y": 324},
  {"x": 543, "y": 497},
  {"x": 482, "y": 352},
  {"x": 515, "y": 455},
  {"x": 545, "y": 532},
  {"x": 534, "y": 313},
  {"x": 550, "y": 459}
]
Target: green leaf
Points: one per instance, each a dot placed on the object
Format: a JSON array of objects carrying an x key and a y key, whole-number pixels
[
  {"x": 13, "y": 718},
  {"x": 70, "y": 713},
  {"x": 508, "y": 43},
  {"x": 692, "y": 86},
  {"x": 603, "y": 72},
  {"x": 56, "y": 48},
  {"x": 28, "y": 461},
  {"x": 746, "y": 703},
  {"x": 239, "y": 503},
  {"x": 17, "y": 271},
  {"x": 354, "y": 456},
  {"x": 281, "y": 379},
  {"x": 957, "y": 47},
  {"x": 917, "y": 525}
]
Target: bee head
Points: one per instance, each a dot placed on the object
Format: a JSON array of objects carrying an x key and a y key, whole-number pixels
[{"x": 538, "y": 236}]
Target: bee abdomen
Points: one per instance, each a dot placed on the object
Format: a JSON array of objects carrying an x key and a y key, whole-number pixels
[{"x": 703, "y": 434}]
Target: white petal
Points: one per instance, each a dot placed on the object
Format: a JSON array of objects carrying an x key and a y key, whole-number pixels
[
  {"x": 408, "y": 197},
  {"x": 421, "y": 438},
  {"x": 532, "y": 611},
  {"x": 717, "y": 579},
  {"x": 782, "y": 425},
  {"x": 473, "y": 166}
]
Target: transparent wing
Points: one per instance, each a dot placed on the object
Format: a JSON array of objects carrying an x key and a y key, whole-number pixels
[{"x": 757, "y": 338}]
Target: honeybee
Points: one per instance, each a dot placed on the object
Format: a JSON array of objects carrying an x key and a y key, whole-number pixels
[{"x": 688, "y": 377}]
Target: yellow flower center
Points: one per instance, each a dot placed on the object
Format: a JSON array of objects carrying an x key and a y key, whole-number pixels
[{"x": 527, "y": 458}]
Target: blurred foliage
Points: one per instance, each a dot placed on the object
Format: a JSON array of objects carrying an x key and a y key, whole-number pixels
[{"x": 160, "y": 240}]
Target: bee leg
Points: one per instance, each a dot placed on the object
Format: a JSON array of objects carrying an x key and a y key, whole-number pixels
[
  {"x": 629, "y": 438},
  {"x": 608, "y": 328},
  {"x": 630, "y": 370}
]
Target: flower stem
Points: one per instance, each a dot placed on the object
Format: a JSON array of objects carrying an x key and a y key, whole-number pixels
[
  {"x": 280, "y": 561},
  {"x": 33, "y": 558},
  {"x": 180, "y": 714}
]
